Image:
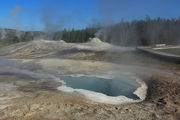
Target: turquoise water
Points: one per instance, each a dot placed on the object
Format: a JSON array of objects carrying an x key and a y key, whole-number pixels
[{"x": 119, "y": 86}]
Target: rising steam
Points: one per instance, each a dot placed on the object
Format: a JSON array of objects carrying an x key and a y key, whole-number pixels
[{"x": 15, "y": 14}]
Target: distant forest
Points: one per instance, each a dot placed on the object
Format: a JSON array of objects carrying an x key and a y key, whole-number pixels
[
  {"x": 142, "y": 32},
  {"x": 137, "y": 32},
  {"x": 76, "y": 36}
]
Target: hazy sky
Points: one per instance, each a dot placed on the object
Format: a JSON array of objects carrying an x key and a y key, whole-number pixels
[{"x": 59, "y": 14}]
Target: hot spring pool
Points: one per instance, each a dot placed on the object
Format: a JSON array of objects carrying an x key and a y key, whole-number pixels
[{"x": 103, "y": 89}]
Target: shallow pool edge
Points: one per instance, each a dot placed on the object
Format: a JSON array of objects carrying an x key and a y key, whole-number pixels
[{"x": 141, "y": 92}]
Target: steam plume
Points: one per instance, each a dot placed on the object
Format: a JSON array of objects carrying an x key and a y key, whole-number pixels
[
  {"x": 15, "y": 13},
  {"x": 3, "y": 33}
]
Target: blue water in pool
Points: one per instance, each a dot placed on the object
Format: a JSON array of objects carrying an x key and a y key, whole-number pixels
[{"x": 118, "y": 86}]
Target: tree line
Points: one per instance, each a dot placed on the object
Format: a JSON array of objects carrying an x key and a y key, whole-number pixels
[
  {"x": 76, "y": 36},
  {"x": 142, "y": 32},
  {"x": 134, "y": 33}
]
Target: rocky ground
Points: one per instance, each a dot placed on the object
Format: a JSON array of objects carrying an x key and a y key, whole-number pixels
[{"x": 31, "y": 98}]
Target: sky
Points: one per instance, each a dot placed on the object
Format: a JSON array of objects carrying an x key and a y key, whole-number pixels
[{"x": 54, "y": 15}]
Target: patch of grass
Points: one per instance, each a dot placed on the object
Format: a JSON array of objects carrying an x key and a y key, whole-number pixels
[
  {"x": 175, "y": 51},
  {"x": 131, "y": 58},
  {"x": 1, "y": 45}
]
